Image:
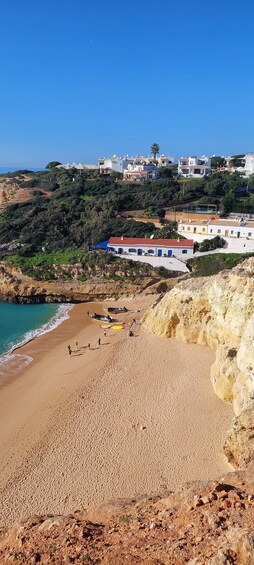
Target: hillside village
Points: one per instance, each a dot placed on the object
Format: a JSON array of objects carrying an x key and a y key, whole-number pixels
[
  {"x": 141, "y": 167},
  {"x": 184, "y": 211}
]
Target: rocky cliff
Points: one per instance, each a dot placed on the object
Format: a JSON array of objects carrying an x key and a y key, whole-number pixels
[
  {"x": 17, "y": 287},
  {"x": 200, "y": 524},
  {"x": 219, "y": 312},
  {"x": 205, "y": 523}
]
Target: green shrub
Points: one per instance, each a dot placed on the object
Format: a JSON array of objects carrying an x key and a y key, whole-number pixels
[{"x": 210, "y": 244}]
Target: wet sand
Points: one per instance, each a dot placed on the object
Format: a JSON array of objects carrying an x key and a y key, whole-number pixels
[{"x": 134, "y": 415}]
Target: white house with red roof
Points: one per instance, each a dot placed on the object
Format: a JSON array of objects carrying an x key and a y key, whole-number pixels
[
  {"x": 140, "y": 171},
  {"x": 194, "y": 166},
  {"x": 179, "y": 248}
]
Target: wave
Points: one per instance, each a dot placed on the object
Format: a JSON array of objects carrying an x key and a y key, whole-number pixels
[{"x": 11, "y": 364}]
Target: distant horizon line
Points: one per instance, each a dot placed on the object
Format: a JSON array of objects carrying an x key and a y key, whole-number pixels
[{"x": 43, "y": 167}]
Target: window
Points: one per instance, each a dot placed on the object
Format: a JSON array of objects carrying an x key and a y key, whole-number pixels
[
  {"x": 232, "y": 231},
  {"x": 211, "y": 231},
  {"x": 150, "y": 251},
  {"x": 249, "y": 234},
  {"x": 132, "y": 250},
  {"x": 203, "y": 229},
  {"x": 184, "y": 251},
  {"x": 218, "y": 231},
  {"x": 188, "y": 228},
  {"x": 183, "y": 228}
]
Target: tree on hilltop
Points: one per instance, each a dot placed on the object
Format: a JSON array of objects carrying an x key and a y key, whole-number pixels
[
  {"x": 218, "y": 162},
  {"x": 52, "y": 164},
  {"x": 237, "y": 161},
  {"x": 155, "y": 149}
]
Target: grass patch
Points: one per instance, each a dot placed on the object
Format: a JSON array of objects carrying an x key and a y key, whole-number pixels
[
  {"x": 69, "y": 256},
  {"x": 213, "y": 264},
  {"x": 87, "y": 198}
]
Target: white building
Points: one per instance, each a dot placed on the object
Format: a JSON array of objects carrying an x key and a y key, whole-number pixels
[
  {"x": 180, "y": 248},
  {"x": 194, "y": 166},
  {"x": 119, "y": 164},
  {"x": 193, "y": 227},
  {"x": 140, "y": 171},
  {"x": 162, "y": 160},
  {"x": 77, "y": 166},
  {"x": 224, "y": 227},
  {"x": 165, "y": 160},
  {"x": 232, "y": 228},
  {"x": 114, "y": 163},
  {"x": 248, "y": 168}
]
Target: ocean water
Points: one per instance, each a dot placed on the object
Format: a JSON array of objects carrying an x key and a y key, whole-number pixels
[
  {"x": 4, "y": 170},
  {"x": 19, "y": 323}
]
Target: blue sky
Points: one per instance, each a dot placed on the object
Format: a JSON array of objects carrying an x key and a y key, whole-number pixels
[{"x": 89, "y": 78}]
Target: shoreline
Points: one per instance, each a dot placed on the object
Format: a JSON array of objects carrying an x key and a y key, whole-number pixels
[
  {"x": 7, "y": 358},
  {"x": 122, "y": 418},
  {"x": 46, "y": 327}
]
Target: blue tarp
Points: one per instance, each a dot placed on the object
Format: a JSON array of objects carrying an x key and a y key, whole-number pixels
[{"x": 101, "y": 245}]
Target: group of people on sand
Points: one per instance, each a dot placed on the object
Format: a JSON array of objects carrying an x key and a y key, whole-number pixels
[
  {"x": 70, "y": 350},
  {"x": 130, "y": 334}
]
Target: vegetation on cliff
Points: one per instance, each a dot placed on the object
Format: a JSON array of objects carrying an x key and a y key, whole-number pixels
[
  {"x": 212, "y": 264},
  {"x": 68, "y": 211},
  {"x": 70, "y": 208},
  {"x": 75, "y": 264}
]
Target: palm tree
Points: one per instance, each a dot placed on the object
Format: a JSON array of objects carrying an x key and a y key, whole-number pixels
[{"x": 155, "y": 149}]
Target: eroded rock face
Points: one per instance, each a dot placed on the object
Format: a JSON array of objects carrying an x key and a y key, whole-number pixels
[
  {"x": 219, "y": 312},
  {"x": 17, "y": 287},
  {"x": 200, "y": 524}
]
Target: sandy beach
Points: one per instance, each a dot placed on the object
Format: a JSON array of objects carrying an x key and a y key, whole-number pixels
[{"x": 132, "y": 416}]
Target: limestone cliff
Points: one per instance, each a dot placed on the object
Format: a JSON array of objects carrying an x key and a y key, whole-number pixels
[
  {"x": 204, "y": 523},
  {"x": 219, "y": 312},
  {"x": 17, "y": 287}
]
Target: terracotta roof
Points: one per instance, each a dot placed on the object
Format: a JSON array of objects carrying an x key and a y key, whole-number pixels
[
  {"x": 128, "y": 172},
  {"x": 195, "y": 166},
  {"x": 187, "y": 222},
  {"x": 150, "y": 242},
  {"x": 227, "y": 223}
]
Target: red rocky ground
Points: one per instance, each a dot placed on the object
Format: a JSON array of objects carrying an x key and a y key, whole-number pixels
[{"x": 203, "y": 523}]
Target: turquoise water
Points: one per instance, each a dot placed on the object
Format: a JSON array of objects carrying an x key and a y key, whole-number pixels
[{"x": 19, "y": 323}]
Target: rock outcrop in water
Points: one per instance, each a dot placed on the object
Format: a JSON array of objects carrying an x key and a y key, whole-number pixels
[{"x": 218, "y": 312}]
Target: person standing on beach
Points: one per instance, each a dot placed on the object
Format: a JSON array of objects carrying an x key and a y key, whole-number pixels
[
  {"x": 69, "y": 349},
  {"x": 104, "y": 333},
  {"x": 88, "y": 312},
  {"x": 99, "y": 341},
  {"x": 89, "y": 346},
  {"x": 77, "y": 345}
]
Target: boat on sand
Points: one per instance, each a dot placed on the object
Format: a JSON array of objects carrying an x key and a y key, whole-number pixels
[
  {"x": 102, "y": 318},
  {"x": 117, "y": 309}
]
